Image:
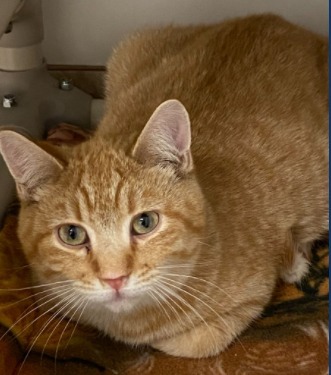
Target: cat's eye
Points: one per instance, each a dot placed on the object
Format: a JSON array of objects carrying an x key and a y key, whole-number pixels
[
  {"x": 145, "y": 222},
  {"x": 73, "y": 235}
]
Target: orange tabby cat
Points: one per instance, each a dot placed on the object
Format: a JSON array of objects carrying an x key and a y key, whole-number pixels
[{"x": 205, "y": 182}]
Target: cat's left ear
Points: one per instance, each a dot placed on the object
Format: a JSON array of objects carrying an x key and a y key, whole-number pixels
[
  {"x": 29, "y": 164},
  {"x": 166, "y": 138}
]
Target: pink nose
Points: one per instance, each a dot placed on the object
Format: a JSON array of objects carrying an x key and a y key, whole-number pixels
[{"x": 116, "y": 283}]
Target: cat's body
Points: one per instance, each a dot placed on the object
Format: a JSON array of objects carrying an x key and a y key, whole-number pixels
[{"x": 233, "y": 221}]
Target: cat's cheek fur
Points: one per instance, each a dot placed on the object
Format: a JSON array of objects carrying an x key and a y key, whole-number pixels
[{"x": 49, "y": 262}]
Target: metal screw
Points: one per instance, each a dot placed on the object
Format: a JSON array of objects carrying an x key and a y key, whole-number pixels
[
  {"x": 8, "y": 101},
  {"x": 66, "y": 84}
]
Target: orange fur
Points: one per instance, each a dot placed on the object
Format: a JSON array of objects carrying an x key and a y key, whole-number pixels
[{"x": 236, "y": 209}]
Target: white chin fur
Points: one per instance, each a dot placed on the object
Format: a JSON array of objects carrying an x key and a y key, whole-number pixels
[{"x": 123, "y": 305}]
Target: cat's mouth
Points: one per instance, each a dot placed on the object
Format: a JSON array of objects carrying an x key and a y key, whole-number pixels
[
  {"x": 121, "y": 301},
  {"x": 119, "y": 297}
]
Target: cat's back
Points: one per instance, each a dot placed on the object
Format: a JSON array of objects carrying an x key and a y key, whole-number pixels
[
  {"x": 251, "y": 67},
  {"x": 256, "y": 90}
]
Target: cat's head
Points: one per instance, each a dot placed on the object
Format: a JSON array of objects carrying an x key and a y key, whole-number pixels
[{"x": 107, "y": 226}]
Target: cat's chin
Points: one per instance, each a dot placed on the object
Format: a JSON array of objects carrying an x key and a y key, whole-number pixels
[{"x": 122, "y": 303}]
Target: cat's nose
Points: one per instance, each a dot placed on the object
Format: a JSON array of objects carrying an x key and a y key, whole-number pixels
[{"x": 118, "y": 282}]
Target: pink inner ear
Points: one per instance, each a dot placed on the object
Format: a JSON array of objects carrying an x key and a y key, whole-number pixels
[
  {"x": 166, "y": 136},
  {"x": 28, "y": 163},
  {"x": 172, "y": 118},
  {"x": 9, "y": 147}
]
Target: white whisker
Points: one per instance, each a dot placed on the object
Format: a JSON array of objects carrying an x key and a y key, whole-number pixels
[
  {"x": 168, "y": 291},
  {"x": 45, "y": 326},
  {"x": 35, "y": 286},
  {"x": 30, "y": 312},
  {"x": 151, "y": 293},
  {"x": 204, "y": 243},
  {"x": 205, "y": 281},
  {"x": 170, "y": 283},
  {"x": 33, "y": 295},
  {"x": 195, "y": 312},
  {"x": 199, "y": 291},
  {"x": 60, "y": 320},
  {"x": 171, "y": 300},
  {"x": 77, "y": 321},
  {"x": 15, "y": 268}
]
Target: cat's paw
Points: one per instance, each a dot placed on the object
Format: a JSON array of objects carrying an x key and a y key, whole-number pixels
[
  {"x": 199, "y": 342},
  {"x": 297, "y": 270}
]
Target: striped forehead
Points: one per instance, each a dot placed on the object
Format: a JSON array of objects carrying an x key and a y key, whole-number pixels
[{"x": 101, "y": 186}]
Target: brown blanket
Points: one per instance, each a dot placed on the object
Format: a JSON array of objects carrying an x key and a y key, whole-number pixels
[{"x": 290, "y": 339}]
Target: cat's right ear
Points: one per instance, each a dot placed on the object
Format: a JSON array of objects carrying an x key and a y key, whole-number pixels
[
  {"x": 29, "y": 164},
  {"x": 166, "y": 138}
]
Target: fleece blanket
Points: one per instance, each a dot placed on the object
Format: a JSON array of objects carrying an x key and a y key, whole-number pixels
[{"x": 291, "y": 338}]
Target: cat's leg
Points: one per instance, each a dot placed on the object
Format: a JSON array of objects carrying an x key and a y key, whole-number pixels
[
  {"x": 313, "y": 226},
  {"x": 205, "y": 340},
  {"x": 296, "y": 259},
  {"x": 196, "y": 343},
  {"x": 298, "y": 266}
]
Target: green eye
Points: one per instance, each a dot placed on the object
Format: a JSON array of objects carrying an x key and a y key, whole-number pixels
[
  {"x": 144, "y": 222},
  {"x": 73, "y": 235}
]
